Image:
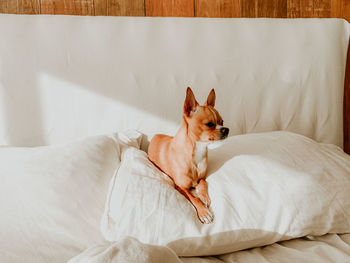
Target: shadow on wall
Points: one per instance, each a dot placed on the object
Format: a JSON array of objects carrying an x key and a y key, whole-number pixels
[{"x": 21, "y": 106}]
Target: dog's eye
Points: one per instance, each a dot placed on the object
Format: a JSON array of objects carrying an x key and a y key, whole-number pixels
[{"x": 210, "y": 124}]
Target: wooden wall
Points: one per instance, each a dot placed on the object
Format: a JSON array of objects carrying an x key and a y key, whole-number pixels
[{"x": 188, "y": 8}]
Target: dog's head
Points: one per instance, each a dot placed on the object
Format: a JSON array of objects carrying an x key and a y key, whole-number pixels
[{"x": 204, "y": 121}]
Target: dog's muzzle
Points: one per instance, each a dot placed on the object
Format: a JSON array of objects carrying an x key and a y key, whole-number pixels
[{"x": 224, "y": 132}]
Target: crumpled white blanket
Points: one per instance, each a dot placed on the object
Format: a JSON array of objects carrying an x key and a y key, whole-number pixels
[
  {"x": 327, "y": 248},
  {"x": 128, "y": 250}
]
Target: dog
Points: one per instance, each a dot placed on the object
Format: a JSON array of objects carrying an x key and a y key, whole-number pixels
[{"x": 184, "y": 157}]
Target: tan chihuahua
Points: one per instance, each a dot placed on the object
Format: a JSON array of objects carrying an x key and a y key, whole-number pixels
[{"x": 184, "y": 157}]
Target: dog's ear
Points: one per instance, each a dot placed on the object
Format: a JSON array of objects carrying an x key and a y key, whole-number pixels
[
  {"x": 211, "y": 99},
  {"x": 190, "y": 102}
]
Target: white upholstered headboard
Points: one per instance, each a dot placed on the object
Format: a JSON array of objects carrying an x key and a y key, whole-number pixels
[{"x": 63, "y": 77}]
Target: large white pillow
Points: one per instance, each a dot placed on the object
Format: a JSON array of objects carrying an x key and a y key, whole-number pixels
[
  {"x": 264, "y": 188},
  {"x": 52, "y": 198}
]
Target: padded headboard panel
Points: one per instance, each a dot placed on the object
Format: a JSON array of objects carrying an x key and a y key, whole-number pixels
[{"x": 63, "y": 77}]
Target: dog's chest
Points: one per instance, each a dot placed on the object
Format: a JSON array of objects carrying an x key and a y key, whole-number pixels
[
  {"x": 200, "y": 160},
  {"x": 200, "y": 152}
]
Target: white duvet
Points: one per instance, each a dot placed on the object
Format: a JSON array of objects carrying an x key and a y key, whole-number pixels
[{"x": 325, "y": 249}]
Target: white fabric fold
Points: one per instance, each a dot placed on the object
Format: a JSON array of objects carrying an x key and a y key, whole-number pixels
[{"x": 127, "y": 250}]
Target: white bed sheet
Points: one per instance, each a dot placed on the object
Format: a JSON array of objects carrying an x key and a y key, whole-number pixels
[{"x": 327, "y": 248}]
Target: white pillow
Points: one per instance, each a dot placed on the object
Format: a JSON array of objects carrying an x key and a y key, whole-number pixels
[
  {"x": 264, "y": 188},
  {"x": 52, "y": 198}
]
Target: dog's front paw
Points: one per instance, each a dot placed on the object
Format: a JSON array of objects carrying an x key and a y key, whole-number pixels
[
  {"x": 205, "y": 216},
  {"x": 205, "y": 200}
]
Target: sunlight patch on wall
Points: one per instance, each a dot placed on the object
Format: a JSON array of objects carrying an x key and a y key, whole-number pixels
[{"x": 70, "y": 111}]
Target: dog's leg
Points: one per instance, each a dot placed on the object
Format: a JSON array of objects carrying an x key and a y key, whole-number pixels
[
  {"x": 204, "y": 215},
  {"x": 202, "y": 191}
]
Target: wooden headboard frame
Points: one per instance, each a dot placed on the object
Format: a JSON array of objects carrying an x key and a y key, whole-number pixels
[{"x": 346, "y": 118}]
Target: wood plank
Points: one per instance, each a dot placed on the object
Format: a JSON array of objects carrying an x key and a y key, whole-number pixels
[
  {"x": 8, "y": 7},
  {"x": 182, "y": 8},
  {"x": 264, "y": 8},
  {"x": 340, "y": 9},
  {"x": 309, "y": 8},
  {"x": 218, "y": 8},
  {"x": 28, "y": 7},
  {"x": 346, "y": 116},
  {"x": 119, "y": 7},
  {"x": 68, "y": 7},
  {"x": 101, "y": 7},
  {"x": 20, "y": 6}
]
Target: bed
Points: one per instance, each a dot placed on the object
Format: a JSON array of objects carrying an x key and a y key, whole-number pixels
[{"x": 82, "y": 96}]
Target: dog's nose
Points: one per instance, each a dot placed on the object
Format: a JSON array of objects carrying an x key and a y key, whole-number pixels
[{"x": 224, "y": 131}]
